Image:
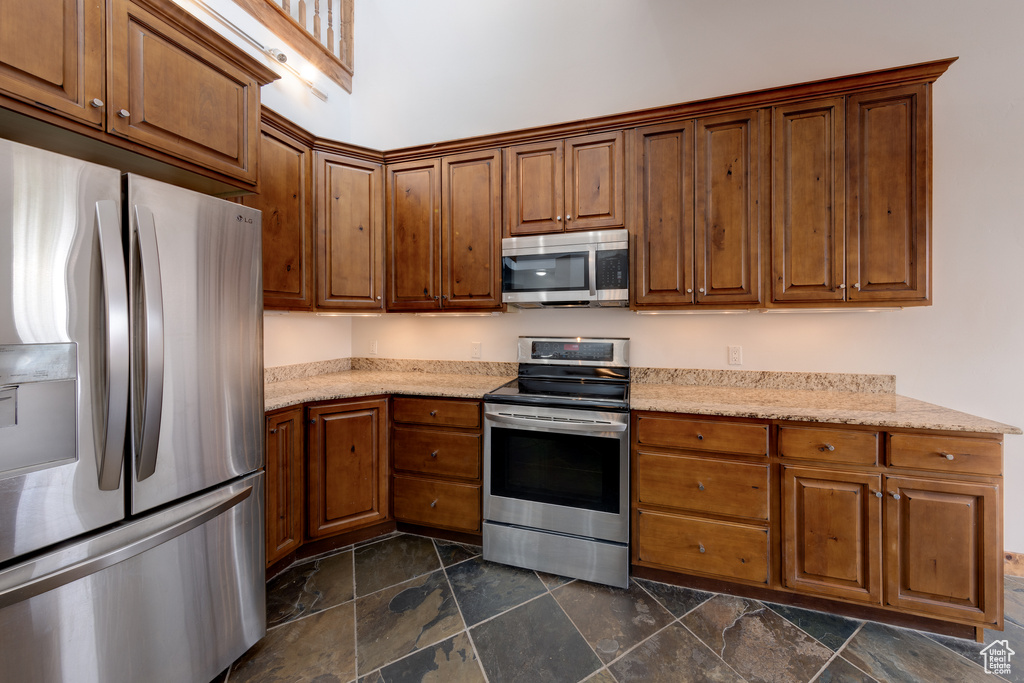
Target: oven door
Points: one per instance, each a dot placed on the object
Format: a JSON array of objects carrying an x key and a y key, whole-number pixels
[{"x": 557, "y": 469}]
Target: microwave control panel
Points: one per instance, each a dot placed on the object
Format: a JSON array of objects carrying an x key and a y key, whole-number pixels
[{"x": 613, "y": 269}]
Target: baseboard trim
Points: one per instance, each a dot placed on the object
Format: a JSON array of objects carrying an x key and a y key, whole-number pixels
[{"x": 1014, "y": 564}]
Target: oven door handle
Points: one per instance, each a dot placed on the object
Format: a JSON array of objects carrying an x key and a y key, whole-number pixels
[{"x": 558, "y": 426}]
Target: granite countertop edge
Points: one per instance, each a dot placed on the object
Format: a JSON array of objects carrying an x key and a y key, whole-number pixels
[{"x": 827, "y": 407}]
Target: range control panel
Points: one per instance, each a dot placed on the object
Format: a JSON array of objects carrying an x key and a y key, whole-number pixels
[{"x": 574, "y": 351}]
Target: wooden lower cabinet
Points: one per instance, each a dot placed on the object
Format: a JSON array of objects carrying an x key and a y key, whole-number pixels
[
  {"x": 901, "y": 521},
  {"x": 348, "y": 465},
  {"x": 436, "y": 456},
  {"x": 285, "y": 489}
]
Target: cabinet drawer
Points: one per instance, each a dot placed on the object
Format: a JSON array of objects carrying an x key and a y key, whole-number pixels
[
  {"x": 433, "y": 411},
  {"x": 702, "y": 484},
  {"x": 437, "y": 504},
  {"x": 845, "y": 446},
  {"x": 442, "y": 454},
  {"x": 946, "y": 454},
  {"x": 689, "y": 544},
  {"x": 698, "y": 435}
]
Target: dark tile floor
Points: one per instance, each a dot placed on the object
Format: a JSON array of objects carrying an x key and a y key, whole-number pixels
[{"x": 406, "y": 608}]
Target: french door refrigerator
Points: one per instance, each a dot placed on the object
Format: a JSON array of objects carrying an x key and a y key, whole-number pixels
[{"x": 131, "y": 439}]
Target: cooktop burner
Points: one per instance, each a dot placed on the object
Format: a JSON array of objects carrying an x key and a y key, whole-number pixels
[{"x": 569, "y": 372}]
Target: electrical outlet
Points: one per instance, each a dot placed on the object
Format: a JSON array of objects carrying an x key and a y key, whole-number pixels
[
  {"x": 373, "y": 347},
  {"x": 476, "y": 350},
  {"x": 735, "y": 355}
]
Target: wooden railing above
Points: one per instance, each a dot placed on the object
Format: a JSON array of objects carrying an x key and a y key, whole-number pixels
[{"x": 319, "y": 30}]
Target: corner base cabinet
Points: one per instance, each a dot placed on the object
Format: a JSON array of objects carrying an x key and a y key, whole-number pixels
[
  {"x": 906, "y": 521},
  {"x": 347, "y": 465}
]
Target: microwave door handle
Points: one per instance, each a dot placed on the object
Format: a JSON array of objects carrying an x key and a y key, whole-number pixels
[
  {"x": 152, "y": 373},
  {"x": 115, "y": 307},
  {"x": 593, "y": 272}
]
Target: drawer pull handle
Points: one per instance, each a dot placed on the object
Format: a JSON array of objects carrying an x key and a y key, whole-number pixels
[
  {"x": 433, "y": 454},
  {"x": 878, "y": 494},
  {"x": 433, "y": 503},
  {"x": 433, "y": 413},
  {"x": 700, "y": 437},
  {"x": 700, "y": 486},
  {"x": 826, "y": 447},
  {"x": 701, "y": 545},
  {"x": 895, "y": 496},
  {"x": 947, "y": 456}
]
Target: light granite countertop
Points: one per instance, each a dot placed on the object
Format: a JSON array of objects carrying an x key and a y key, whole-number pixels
[{"x": 806, "y": 397}]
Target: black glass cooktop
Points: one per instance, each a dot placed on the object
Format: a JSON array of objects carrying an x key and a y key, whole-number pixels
[{"x": 605, "y": 390}]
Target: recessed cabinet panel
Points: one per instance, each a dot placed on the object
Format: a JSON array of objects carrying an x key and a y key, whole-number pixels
[
  {"x": 888, "y": 228},
  {"x": 663, "y": 246},
  {"x": 52, "y": 53},
  {"x": 414, "y": 234},
  {"x": 702, "y": 484},
  {"x": 350, "y": 226},
  {"x": 727, "y": 208},
  {"x": 808, "y": 187},
  {"x": 471, "y": 230},
  {"x": 285, "y": 483},
  {"x": 536, "y": 188},
  {"x": 831, "y": 533},
  {"x": 595, "y": 182}
]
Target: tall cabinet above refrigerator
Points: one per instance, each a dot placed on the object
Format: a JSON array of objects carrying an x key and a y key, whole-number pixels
[{"x": 131, "y": 441}]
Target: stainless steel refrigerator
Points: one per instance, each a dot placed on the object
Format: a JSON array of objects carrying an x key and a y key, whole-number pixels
[{"x": 131, "y": 439}]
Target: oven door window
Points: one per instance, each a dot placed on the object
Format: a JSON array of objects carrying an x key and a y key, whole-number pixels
[
  {"x": 562, "y": 469},
  {"x": 546, "y": 273}
]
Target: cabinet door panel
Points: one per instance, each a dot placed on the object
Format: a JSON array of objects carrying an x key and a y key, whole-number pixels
[
  {"x": 348, "y": 476},
  {"x": 595, "y": 182},
  {"x": 727, "y": 205},
  {"x": 414, "y": 234},
  {"x": 699, "y": 435},
  {"x": 663, "y": 248},
  {"x": 840, "y": 446},
  {"x": 809, "y": 185},
  {"x": 888, "y": 226},
  {"x": 350, "y": 233},
  {"x": 471, "y": 230},
  {"x": 61, "y": 67},
  {"x": 535, "y": 188},
  {"x": 944, "y": 549},
  {"x": 443, "y": 504},
  {"x": 180, "y": 97},
  {"x": 831, "y": 533},
  {"x": 285, "y": 198},
  {"x": 285, "y": 483},
  {"x": 702, "y": 484}
]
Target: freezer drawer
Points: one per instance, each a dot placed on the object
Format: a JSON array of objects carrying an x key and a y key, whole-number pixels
[{"x": 175, "y": 596}]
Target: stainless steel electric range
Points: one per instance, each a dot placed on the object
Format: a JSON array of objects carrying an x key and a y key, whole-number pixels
[{"x": 556, "y": 460}]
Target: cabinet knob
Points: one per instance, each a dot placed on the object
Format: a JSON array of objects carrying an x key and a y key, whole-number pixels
[
  {"x": 826, "y": 447},
  {"x": 895, "y": 496},
  {"x": 701, "y": 290},
  {"x": 842, "y": 286},
  {"x": 689, "y": 290},
  {"x": 701, "y": 546},
  {"x": 444, "y": 297},
  {"x": 378, "y": 297},
  {"x": 700, "y": 437},
  {"x": 568, "y": 217},
  {"x": 856, "y": 285},
  {"x": 123, "y": 113},
  {"x": 433, "y": 413},
  {"x": 947, "y": 456},
  {"x": 433, "y": 503},
  {"x": 700, "y": 486},
  {"x": 436, "y": 297},
  {"x": 273, "y": 431},
  {"x": 878, "y": 494},
  {"x": 558, "y": 218},
  {"x": 96, "y": 102},
  {"x": 434, "y": 454},
  {"x": 312, "y": 420}
]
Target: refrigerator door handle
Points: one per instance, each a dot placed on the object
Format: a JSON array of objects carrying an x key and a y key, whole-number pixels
[
  {"x": 115, "y": 290},
  {"x": 29, "y": 580},
  {"x": 149, "y": 328}
]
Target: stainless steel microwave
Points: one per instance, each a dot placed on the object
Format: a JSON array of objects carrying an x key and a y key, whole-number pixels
[{"x": 566, "y": 269}]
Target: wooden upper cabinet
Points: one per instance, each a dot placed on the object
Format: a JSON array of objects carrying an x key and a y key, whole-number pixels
[
  {"x": 285, "y": 198},
  {"x": 171, "y": 91},
  {"x": 888, "y": 211},
  {"x": 728, "y": 216},
  {"x": 663, "y": 224},
  {"x": 808, "y": 207},
  {"x": 349, "y": 233},
  {"x": 52, "y": 53},
  {"x": 535, "y": 182},
  {"x": 348, "y": 466},
  {"x": 572, "y": 184},
  {"x": 595, "y": 181},
  {"x": 413, "y": 235},
  {"x": 471, "y": 230}
]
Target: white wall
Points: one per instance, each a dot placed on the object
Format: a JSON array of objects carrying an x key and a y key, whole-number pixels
[
  {"x": 446, "y": 69},
  {"x": 304, "y": 337}
]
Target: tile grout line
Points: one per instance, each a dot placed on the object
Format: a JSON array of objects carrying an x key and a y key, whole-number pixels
[
  {"x": 455, "y": 599},
  {"x": 355, "y": 620},
  {"x": 592, "y": 648},
  {"x": 720, "y": 657}
]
